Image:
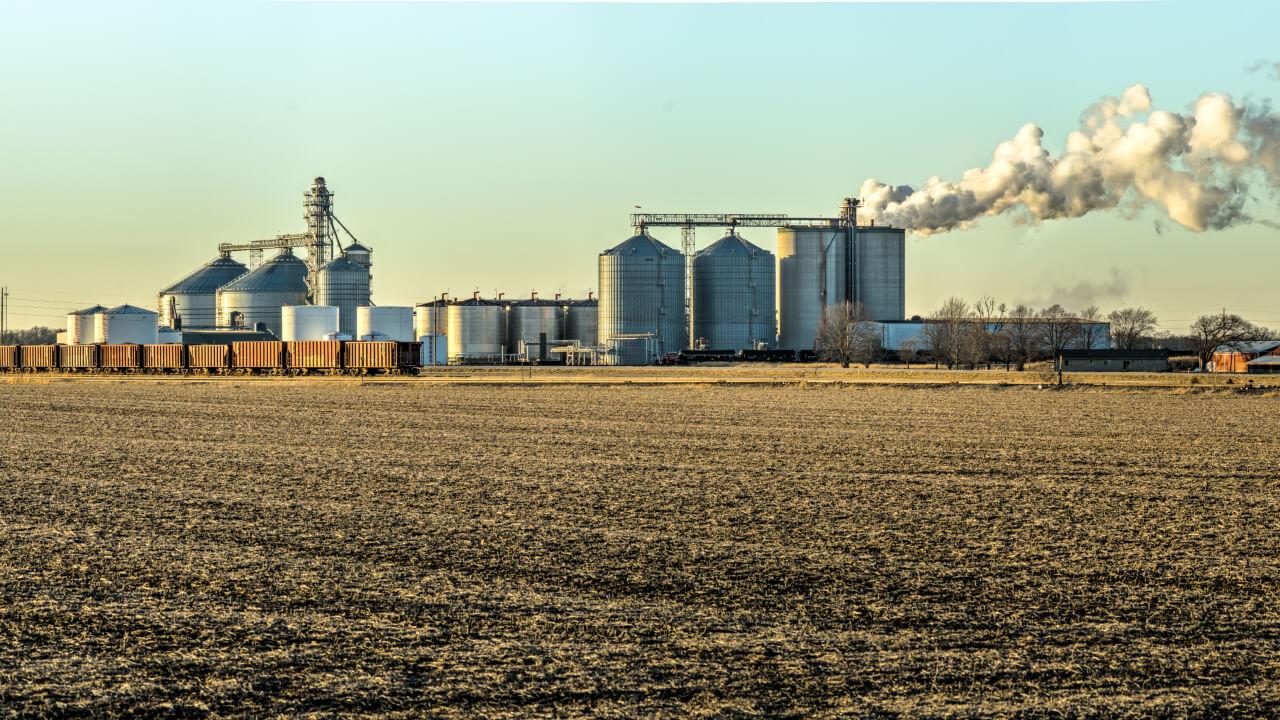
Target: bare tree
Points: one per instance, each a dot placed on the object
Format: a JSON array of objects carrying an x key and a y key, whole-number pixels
[
  {"x": 848, "y": 335},
  {"x": 1131, "y": 326},
  {"x": 1056, "y": 330},
  {"x": 1020, "y": 329},
  {"x": 949, "y": 333},
  {"x": 907, "y": 351},
  {"x": 1092, "y": 333},
  {"x": 990, "y": 316},
  {"x": 1210, "y": 331}
]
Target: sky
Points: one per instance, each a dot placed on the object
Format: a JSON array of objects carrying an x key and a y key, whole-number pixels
[{"x": 501, "y": 147}]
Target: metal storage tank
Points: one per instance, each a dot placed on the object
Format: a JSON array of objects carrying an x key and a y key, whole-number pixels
[
  {"x": 581, "y": 321},
  {"x": 192, "y": 302},
  {"x": 307, "y": 322},
  {"x": 82, "y": 326},
  {"x": 168, "y": 335},
  {"x": 880, "y": 267},
  {"x": 533, "y": 320},
  {"x": 733, "y": 295},
  {"x": 384, "y": 322},
  {"x": 811, "y": 276},
  {"x": 477, "y": 327},
  {"x": 127, "y": 324},
  {"x": 258, "y": 295},
  {"x": 431, "y": 318},
  {"x": 345, "y": 283},
  {"x": 642, "y": 292}
]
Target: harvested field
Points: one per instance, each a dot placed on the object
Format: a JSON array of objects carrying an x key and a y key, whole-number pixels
[{"x": 410, "y": 549}]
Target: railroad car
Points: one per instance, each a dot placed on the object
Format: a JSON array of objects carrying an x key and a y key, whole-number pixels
[
  {"x": 165, "y": 357},
  {"x": 77, "y": 357},
  {"x": 121, "y": 358}
]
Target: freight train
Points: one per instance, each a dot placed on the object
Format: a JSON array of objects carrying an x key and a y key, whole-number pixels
[{"x": 256, "y": 357}]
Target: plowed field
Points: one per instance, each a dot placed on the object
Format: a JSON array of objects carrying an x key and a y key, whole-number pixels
[{"x": 426, "y": 550}]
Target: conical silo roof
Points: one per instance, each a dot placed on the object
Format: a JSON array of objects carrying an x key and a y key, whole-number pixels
[
  {"x": 730, "y": 245},
  {"x": 207, "y": 278},
  {"x": 128, "y": 309},
  {"x": 282, "y": 273},
  {"x": 642, "y": 244},
  {"x": 90, "y": 310}
]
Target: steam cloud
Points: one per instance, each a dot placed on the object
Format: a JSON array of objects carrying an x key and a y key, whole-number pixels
[{"x": 1198, "y": 167}]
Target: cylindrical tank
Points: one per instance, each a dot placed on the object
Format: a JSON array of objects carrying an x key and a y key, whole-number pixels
[
  {"x": 733, "y": 291},
  {"x": 192, "y": 302},
  {"x": 533, "y": 321},
  {"x": 307, "y": 322},
  {"x": 385, "y": 322},
  {"x": 581, "y": 321},
  {"x": 82, "y": 326},
  {"x": 880, "y": 268},
  {"x": 812, "y": 276},
  {"x": 168, "y": 335},
  {"x": 431, "y": 318},
  {"x": 642, "y": 293},
  {"x": 345, "y": 284},
  {"x": 126, "y": 324},
  {"x": 477, "y": 327},
  {"x": 257, "y": 296}
]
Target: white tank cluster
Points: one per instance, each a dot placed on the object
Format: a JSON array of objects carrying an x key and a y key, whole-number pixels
[
  {"x": 82, "y": 326},
  {"x": 126, "y": 324},
  {"x": 385, "y": 322},
  {"x": 307, "y": 322}
]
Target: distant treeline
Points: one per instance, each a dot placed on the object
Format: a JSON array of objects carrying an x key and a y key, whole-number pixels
[{"x": 39, "y": 335}]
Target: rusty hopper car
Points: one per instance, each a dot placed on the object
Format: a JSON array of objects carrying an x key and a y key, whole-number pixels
[
  {"x": 8, "y": 356},
  {"x": 313, "y": 354},
  {"x": 382, "y": 356},
  {"x": 257, "y": 355},
  {"x": 120, "y": 357},
  {"x": 38, "y": 357},
  {"x": 166, "y": 356},
  {"x": 77, "y": 357},
  {"x": 208, "y": 357}
]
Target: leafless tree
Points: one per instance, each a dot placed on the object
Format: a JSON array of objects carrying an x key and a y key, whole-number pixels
[
  {"x": 1131, "y": 326},
  {"x": 949, "y": 333},
  {"x": 990, "y": 316},
  {"x": 1210, "y": 331},
  {"x": 1020, "y": 331},
  {"x": 847, "y": 335},
  {"x": 1056, "y": 330},
  {"x": 907, "y": 351},
  {"x": 1092, "y": 333}
]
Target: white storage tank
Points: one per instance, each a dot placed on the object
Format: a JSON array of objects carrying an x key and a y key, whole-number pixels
[
  {"x": 82, "y": 326},
  {"x": 167, "y": 335},
  {"x": 432, "y": 318},
  {"x": 307, "y": 322},
  {"x": 536, "y": 324},
  {"x": 385, "y": 322},
  {"x": 126, "y": 324},
  {"x": 477, "y": 329},
  {"x": 581, "y": 320}
]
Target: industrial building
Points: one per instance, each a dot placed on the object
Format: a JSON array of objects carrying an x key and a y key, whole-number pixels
[
  {"x": 1236, "y": 357},
  {"x": 1112, "y": 360}
]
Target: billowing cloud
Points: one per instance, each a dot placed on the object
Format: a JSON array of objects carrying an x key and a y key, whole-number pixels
[{"x": 1198, "y": 167}]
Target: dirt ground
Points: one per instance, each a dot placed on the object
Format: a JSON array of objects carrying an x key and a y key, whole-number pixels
[{"x": 425, "y": 549}]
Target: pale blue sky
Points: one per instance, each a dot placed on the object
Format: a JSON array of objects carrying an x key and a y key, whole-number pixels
[{"x": 502, "y": 146}]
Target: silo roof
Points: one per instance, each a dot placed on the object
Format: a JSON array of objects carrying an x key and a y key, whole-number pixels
[
  {"x": 89, "y": 310},
  {"x": 342, "y": 263},
  {"x": 585, "y": 303},
  {"x": 355, "y": 246},
  {"x": 642, "y": 244},
  {"x": 208, "y": 277},
  {"x": 128, "y": 309},
  {"x": 284, "y": 272},
  {"x": 731, "y": 245}
]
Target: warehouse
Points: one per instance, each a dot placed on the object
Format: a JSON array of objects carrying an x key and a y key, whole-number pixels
[
  {"x": 1235, "y": 357},
  {"x": 1113, "y": 360}
]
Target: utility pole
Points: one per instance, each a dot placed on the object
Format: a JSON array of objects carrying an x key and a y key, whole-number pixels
[{"x": 4, "y": 313}]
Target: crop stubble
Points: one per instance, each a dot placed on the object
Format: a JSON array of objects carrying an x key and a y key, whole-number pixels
[{"x": 465, "y": 551}]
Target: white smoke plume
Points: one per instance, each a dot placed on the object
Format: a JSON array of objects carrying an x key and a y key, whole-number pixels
[{"x": 1198, "y": 167}]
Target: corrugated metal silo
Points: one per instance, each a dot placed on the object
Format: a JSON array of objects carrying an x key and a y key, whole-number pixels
[
  {"x": 126, "y": 324},
  {"x": 431, "y": 318},
  {"x": 532, "y": 322},
  {"x": 733, "y": 295},
  {"x": 345, "y": 284},
  {"x": 193, "y": 300},
  {"x": 880, "y": 268},
  {"x": 642, "y": 292},
  {"x": 258, "y": 295},
  {"x": 82, "y": 326},
  {"x": 384, "y": 322},
  {"x": 477, "y": 327},
  {"x": 811, "y": 276},
  {"x": 581, "y": 321}
]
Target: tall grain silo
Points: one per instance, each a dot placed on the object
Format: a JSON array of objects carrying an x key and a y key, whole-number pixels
[
  {"x": 345, "y": 284},
  {"x": 126, "y": 324},
  {"x": 192, "y": 302},
  {"x": 642, "y": 293},
  {"x": 82, "y": 326},
  {"x": 384, "y": 322},
  {"x": 431, "y": 318},
  {"x": 535, "y": 323},
  {"x": 813, "y": 274},
  {"x": 733, "y": 295},
  {"x": 477, "y": 328},
  {"x": 258, "y": 295},
  {"x": 581, "y": 321},
  {"x": 880, "y": 269}
]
